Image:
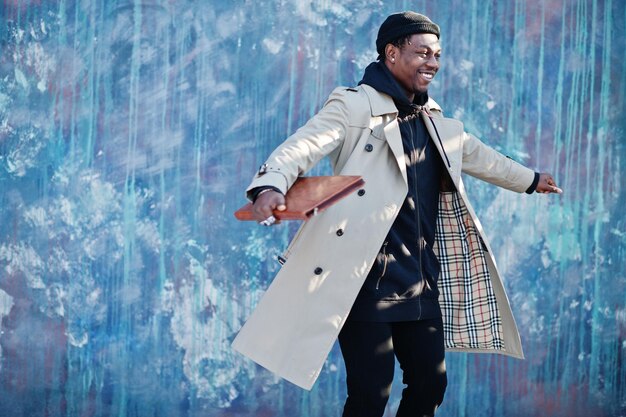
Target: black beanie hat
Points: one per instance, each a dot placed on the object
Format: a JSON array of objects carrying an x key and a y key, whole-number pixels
[{"x": 401, "y": 24}]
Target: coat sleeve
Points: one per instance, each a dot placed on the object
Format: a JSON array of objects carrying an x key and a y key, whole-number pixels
[
  {"x": 320, "y": 136},
  {"x": 487, "y": 164}
]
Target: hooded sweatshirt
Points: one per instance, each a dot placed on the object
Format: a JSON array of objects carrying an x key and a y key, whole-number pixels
[{"x": 402, "y": 284}]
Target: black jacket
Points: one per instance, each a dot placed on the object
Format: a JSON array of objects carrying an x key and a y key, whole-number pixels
[{"x": 402, "y": 284}]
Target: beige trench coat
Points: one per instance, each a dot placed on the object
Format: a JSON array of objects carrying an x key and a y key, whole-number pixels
[{"x": 296, "y": 322}]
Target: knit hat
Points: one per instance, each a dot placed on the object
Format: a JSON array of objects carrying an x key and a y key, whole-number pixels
[{"x": 398, "y": 25}]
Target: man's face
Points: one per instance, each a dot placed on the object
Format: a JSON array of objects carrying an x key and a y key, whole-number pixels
[{"x": 415, "y": 63}]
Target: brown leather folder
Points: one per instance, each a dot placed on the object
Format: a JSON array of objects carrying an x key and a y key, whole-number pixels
[{"x": 310, "y": 195}]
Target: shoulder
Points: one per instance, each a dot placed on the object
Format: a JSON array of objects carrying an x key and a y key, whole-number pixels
[
  {"x": 436, "y": 115},
  {"x": 434, "y": 108},
  {"x": 354, "y": 101},
  {"x": 349, "y": 95}
]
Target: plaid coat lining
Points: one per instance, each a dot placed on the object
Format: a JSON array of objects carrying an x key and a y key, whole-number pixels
[{"x": 470, "y": 312}]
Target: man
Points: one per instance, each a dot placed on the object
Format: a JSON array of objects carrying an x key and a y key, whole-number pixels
[{"x": 400, "y": 268}]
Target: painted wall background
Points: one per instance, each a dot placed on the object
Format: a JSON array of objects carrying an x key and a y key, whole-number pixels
[{"x": 128, "y": 131}]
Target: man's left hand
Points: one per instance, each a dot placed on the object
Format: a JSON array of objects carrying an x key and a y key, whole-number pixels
[{"x": 546, "y": 185}]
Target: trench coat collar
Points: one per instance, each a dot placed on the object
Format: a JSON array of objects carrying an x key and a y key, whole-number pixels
[{"x": 382, "y": 105}]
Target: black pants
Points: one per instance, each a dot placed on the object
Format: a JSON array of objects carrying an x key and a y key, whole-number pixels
[{"x": 368, "y": 350}]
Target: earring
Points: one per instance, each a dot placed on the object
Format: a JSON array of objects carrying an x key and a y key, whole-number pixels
[{"x": 393, "y": 60}]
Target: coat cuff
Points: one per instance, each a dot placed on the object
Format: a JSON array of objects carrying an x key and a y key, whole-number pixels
[
  {"x": 274, "y": 179},
  {"x": 533, "y": 186},
  {"x": 254, "y": 193}
]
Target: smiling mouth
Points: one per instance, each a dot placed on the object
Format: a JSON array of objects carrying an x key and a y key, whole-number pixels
[{"x": 427, "y": 75}]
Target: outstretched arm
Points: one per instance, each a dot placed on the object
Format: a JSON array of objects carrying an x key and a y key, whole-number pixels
[{"x": 484, "y": 162}]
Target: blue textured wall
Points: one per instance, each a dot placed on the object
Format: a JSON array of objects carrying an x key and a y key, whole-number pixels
[{"x": 128, "y": 131}]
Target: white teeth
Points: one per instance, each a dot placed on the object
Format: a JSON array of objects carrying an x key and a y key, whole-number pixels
[{"x": 427, "y": 75}]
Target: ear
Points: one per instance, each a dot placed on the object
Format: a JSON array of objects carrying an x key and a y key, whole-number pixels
[{"x": 391, "y": 53}]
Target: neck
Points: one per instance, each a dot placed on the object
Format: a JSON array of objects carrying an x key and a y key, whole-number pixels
[{"x": 420, "y": 98}]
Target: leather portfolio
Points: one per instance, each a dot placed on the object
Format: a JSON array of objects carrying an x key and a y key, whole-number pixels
[{"x": 310, "y": 195}]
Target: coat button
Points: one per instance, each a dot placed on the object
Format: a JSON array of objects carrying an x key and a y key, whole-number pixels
[
  {"x": 340, "y": 232},
  {"x": 369, "y": 147},
  {"x": 318, "y": 271},
  {"x": 361, "y": 192}
]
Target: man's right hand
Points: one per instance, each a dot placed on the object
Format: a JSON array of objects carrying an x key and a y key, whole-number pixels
[{"x": 265, "y": 205}]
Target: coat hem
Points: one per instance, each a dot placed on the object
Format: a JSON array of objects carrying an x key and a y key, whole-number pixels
[{"x": 516, "y": 355}]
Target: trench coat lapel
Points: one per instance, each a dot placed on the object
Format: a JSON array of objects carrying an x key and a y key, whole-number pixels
[
  {"x": 394, "y": 139},
  {"x": 382, "y": 105},
  {"x": 447, "y": 134}
]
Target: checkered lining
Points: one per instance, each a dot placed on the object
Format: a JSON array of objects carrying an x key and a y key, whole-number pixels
[{"x": 468, "y": 303}]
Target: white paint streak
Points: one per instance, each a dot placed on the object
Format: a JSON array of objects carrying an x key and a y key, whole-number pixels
[
  {"x": 20, "y": 78},
  {"x": 273, "y": 46},
  {"x": 6, "y": 303},
  {"x": 22, "y": 258},
  {"x": 199, "y": 314}
]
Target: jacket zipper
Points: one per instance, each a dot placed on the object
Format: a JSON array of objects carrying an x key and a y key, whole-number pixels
[
  {"x": 384, "y": 254},
  {"x": 420, "y": 238},
  {"x": 417, "y": 201}
]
